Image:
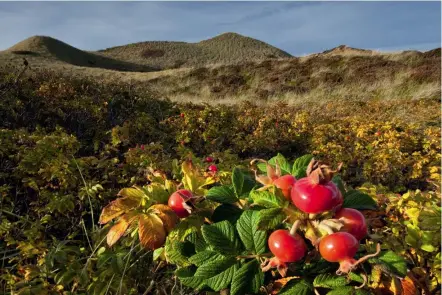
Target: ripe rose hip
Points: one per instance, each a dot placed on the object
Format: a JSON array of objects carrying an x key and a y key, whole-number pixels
[
  {"x": 285, "y": 184},
  {"x": 209, "y": 159},
  {"x": 287, "y": 247},
  {"x": 213, "y": 168},
  {"x": 316, "y": 193},
  {"x": 340, "y": 247},
  {"x": 354, "y": 222},
  {"x": 177, "y": 202}
]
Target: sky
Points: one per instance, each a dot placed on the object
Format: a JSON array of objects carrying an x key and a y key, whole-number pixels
[{"x": 297, "y": 27}]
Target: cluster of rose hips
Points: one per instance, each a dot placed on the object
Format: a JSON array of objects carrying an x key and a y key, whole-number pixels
[{"x": 316, "y": 194}]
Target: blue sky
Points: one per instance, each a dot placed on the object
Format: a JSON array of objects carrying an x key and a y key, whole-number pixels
[{"x": 296, "y": 27}]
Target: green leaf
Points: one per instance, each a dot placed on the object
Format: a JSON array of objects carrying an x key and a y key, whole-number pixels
[
  {"x": 299, "y": 169},
  {"x": 187, "y": 277},
  {"x": 158, "y": 253},
  {"x": 267, "y": 199},
  {"x": 355, "y": 277},
  {"x": 253, "y": 239},
  {"x": 177, "y": 252},
  {"x": 191, "y": 224},
  {"x": 298, "y": 287},
  {"x": 205, "y": 256},
  {"x": 242, "y": 184},
  {"x": 226, "y": 212},
  {"x": 286, "y": 167},
  {"x": 270, "y": 218},
  {"x": 248, "y": 278},
  {"x": 222, "y": 194},
  {"x": 197, "y": 240},
  {"x": 222, "y": 237},
  {"x": 430, "y": 219},
  {"x": 348, "y": 290},
  {"x": 330, "y": 281},
  {"x": 358, "y": 200},
  {"x": 339, "y": 183},
  {"x": 394, "y": 263},
  {"x": 219, "y": 273}
]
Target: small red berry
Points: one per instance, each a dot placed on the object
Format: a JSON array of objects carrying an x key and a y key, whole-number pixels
[
  {"x": 378, "y": 133},
  {"x": 182, "y": 115},
  {"x": 209, "y": 159},
  {"x": 354, "y": 222},
  {"x": 177, "y": 202},
  {"x": 142, "y": 147},
  {"x": 213, "y": 168}
]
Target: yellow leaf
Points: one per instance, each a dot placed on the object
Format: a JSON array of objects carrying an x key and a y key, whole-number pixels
[
  {"x": 151, "y": 231},
  {"x": 193, "y": 180},
  {"x": 132, "y": 192},
  {"x": 118, "y": 230},
  {"x": 167, "y": 216},
  {"x": 117, "y": 208}
]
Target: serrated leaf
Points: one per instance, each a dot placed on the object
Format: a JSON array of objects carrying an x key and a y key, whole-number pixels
[
  {"x": 355, "y": 277},
  {"x": 348, "y": 290},
  {"x": 298, "y": 287},
  {"x": 330, "y": 281},
  {"x": 158, "y": 193},
  {"x": 284, "y": 165},
  {"x": 242, "y": 184},
  {"x": 132, "y": 192},
  {"x": 193, "y": 180},
  {"x": 198, "y": 241},
  {"x": 339, "y": 183},
  {"x": 270, "y": 218},
  {"x": 222, "y": 237},
  {"x": 151, "y": 231},
  {"x": 217, "y": 274},
  {"x": 117, "y": 208},
  {"x": 167, "y": 216},
  {"x": 253, "y": 239},
  {"x": 226, "y": 212},
  {"x": 118, "y": 230},
  {"x": 158, "y": 253},
  {"x": 205, "y": 256},
  {"x": 267, "y": 199},
  {"x": 246, "y": 278},
  {"x": 222, "y": 194},
  {"x": 358, "y": 200},
  {"x": 178, "y": 253},
  {"x": 300, "y": 165},
  {"x": 394, "y": 263},
  {"x": 187, "y": 277},
  {"x": 430, "y": 219},
  {"x": 186, "y": 226}
]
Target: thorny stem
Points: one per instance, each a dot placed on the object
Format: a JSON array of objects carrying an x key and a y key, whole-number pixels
[{"x": 295, "y": 227}]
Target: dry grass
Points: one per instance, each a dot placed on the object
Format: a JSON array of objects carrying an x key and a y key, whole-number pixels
[
  {"x": 226, "y": 48},
  {"x": 342, "y": 76}
]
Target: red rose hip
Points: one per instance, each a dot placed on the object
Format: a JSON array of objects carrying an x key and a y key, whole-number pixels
[
  {"x": 316, "y": 193},
  {"x": 354, "y": 222},
  {"x": 285, "y": 184},
  {"x": 177, "y": 202}
]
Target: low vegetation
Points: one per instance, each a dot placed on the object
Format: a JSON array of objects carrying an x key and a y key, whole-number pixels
[{"x": 69, "y": 146}]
